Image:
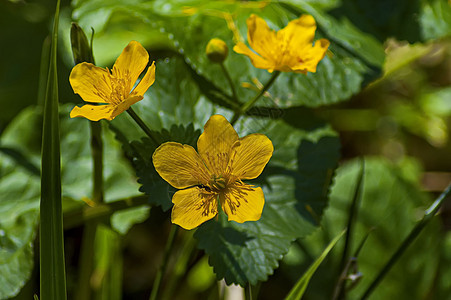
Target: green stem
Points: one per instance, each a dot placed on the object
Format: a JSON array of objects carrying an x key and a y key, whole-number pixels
[
  {"x": 161, "y": 271},
  {"x": 229, "y": 79},
  {"x": 86, "y": 261},
  {"x": 97, "y": 161},
  {"x": 143, "y": 125},
  {"x": 87, "y": 249},
  {"x": 251, "y": 102},
  {"x": 428, "y": 216}
]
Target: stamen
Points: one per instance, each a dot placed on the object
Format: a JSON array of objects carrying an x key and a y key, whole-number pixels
[
  {"x": 234, "y": 195},
  {"x": 208, "y": 205}
]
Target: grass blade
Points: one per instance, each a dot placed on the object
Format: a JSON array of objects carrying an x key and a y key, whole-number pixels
[
  {"x": 52, "y": 268},
  {"x": 340, "y": 291},
  {"x": 298, "y": 290},
  {"x": 428, "y": 216}
]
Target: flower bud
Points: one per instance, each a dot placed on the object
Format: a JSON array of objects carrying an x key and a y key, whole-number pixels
[
  {"x": 217, "y": 50},
  {"x": 81, "y": 49}
]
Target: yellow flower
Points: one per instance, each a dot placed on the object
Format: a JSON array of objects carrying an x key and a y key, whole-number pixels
[
  {"x": 112, "y": 90},
  {"x": 288, "y": 50},
  {"x": 216, "y": 172}
]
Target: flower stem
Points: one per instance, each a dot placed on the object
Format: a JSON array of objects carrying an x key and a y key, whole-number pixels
[
  {"x": 143, "y": 125},
  {"x": 97, "y": 160},
  {"x": 90, "y": 227},
  {"x": 229, "y": 79},
  {"x": 82, "y": 52},
  {"x": 428, "y": 216},
  {"x": 251, "y": 102},
  {"x": 161, "y": 271}
]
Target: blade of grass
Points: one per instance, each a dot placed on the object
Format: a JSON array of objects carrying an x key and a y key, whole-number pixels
[
  {"x": 298, "y": 290},
  {"x": 43, "y": 70},
  {"x": 351, "y": 265},
  {"x": 52, "y": 268},
  {"x": 340, "y": 291},
  {"x": 167, "y": 253},
  {"x": 428, "y": 216},
  {"x": 186, "y": 251}
]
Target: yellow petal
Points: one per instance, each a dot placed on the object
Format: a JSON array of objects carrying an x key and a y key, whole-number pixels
[
  {"x": 261, "y": 38},
  {"x": 130, "y": 64},
  {"x": 193, "y": 207},
  {"x": 250, "y": 156},
  {"x": 91, "y": 83},
  {"x": 180, "y": 165},
  {"x": 93, "y": 112},
  {"x": 146, "y": 81},
  {"x": 313, "y": 56},
  {"x": 242, "y": 203},
  {"x": 124, "y": 105},
  {"x": 257, "y": 61},
  {"x": 298, "y": 33},
  {"x": 215, "y": 143}
]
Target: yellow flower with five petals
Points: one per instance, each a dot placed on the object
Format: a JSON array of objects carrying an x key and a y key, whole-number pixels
[
  {"x": 215, "y": 174},
  {"x": 112, "y": 90},
  {"x": 288, "y": 50}
]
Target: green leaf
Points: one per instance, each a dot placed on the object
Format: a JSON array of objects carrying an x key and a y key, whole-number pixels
[
  {"x": 298, "y": 290},
  {"x": 294, "y": 201},
  {"x": 429, "y": 215},
  {"x": 140, "y": 152},
  {"x": 18, "y": 269},
  {"x": 356, "y": 56},
  {"x": 295, "y": 183},
  {"x": 19, "y": 185},
  {"x": 392, "y": 202},
  {"x": 414, "y": 21},
  {"x": 19, "y": 212},
  {"x": 435, "y": 19},
  {"x": 358, "y": 67},
  {"x": 120, "y": 183},
  {"x": 51, "y": 243}
]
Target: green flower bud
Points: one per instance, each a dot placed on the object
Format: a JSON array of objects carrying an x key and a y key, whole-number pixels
[
  {"x": 217, "y": 50},
  {"x": 81, "y": 49}
]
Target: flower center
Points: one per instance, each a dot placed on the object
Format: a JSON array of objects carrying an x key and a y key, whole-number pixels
[
  {"x": 120, "y": 85},
  {"x": 218, "y": 182}
]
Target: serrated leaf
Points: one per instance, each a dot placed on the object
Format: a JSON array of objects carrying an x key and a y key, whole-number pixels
[
  {"x": 140, "y": 152},
  {"x": 294, "y": 201},
  {"x": 358, "y": 67},
  {"x": 295, "y": 182},
  {"x": 356, "y": 60}
]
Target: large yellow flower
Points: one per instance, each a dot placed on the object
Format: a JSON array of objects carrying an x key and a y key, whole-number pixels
[
  {"x": 288, "y": 50},
  {"x": 216, "y": 172},
  {"x": 112, "y": 90}
]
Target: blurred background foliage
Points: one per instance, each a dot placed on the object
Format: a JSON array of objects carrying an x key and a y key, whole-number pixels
[{"x": 384, "y": 89}]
